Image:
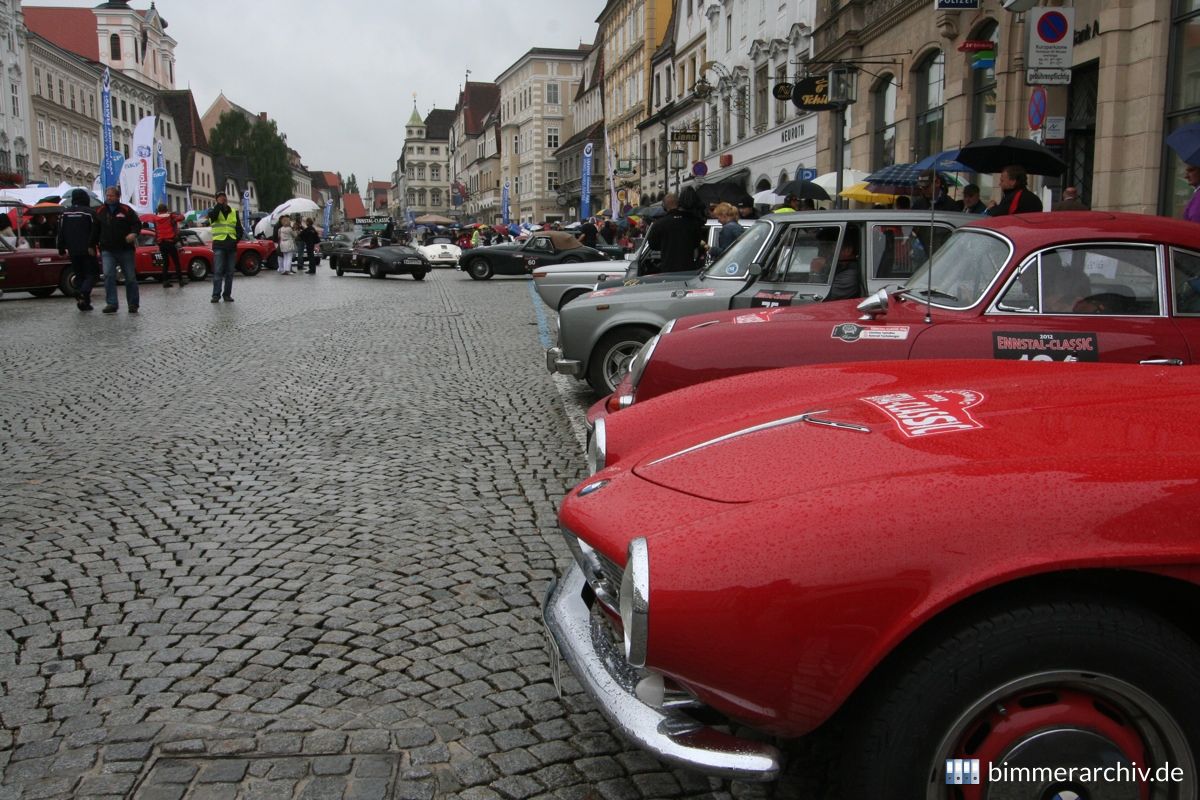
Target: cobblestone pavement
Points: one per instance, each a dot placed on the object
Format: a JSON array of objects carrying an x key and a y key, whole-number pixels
[{"x": 291, "y": 546}]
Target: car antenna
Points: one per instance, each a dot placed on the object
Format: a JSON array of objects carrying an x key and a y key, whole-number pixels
[{"x": 923, "y": 182}]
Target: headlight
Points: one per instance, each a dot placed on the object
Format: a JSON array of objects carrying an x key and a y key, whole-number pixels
[
  {"x": 635, "y": 602},
  {"x": 638, "y": 365},
  {"x": 597, "y": 449}
]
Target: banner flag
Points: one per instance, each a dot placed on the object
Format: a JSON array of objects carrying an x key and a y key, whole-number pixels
[
  {"x": 246, "y": 210},
  {"x": 504, "y": 204},
  {"x": 110, "y": 173},
  {"x": 585, "y": 201},
  {"x": 328, "y": 220},
  {"x": 136, "y": 178},
  {"x": 612, "y": 180}
]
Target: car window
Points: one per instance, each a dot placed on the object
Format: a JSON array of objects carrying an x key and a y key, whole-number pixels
[
  {"x": 897, "y": 250},
  {"x": 735, "y": 262},
  {"x": 1087, "y": 279},
  {"x": 190, "y": 239},
  {"x": 540, "y": 244},
  {"x": 804, "y": 254},
  {"x": 145, "y": 239},
  {"x": 962, "y": 270},
  {"x": 1185, "y": 275}
]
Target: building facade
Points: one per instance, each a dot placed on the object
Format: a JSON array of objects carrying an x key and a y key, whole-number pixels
[
  {"x": 196, "y": 161},
  {"x": 587, "y": 122},
  {"x": 15, "y": 132},
  {"x": 475, "y": 153},
  {"x": 535, "y": 103},
  {"x": 65, "y": 110},
  {"x": 168, "y": 136},
  {"x": 136, "y": 43},
  {"x": 301, "y": 180},
  {"x": 424, "y": 183},
  {"x": 1134, "y": 77}
]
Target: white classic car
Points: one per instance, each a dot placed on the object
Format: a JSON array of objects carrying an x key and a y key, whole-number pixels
[{"x": 441, "y": 252}]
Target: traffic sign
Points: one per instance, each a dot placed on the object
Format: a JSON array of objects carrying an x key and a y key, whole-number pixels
[
  {"x": 1050, "y": 38},
  {"x": 699, "y": 169},
  {"x": 1047, "y": 77},
  {"x": 1037, "y": 107},
  {"x": 806, "y": 174}
]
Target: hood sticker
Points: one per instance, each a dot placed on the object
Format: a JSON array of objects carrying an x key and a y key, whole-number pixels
[
  {"x": 701, "y": 293},
  {"x": 929, "y": 413},
  {"x": 732, "y": 268},
  {"x": 853, "y": 332},
  {"x": 749, "y": 319},
  {"x": 1037, "y": 346},
  {"x": 771, "y": 299},
  {"x": 604, "y": 292}
]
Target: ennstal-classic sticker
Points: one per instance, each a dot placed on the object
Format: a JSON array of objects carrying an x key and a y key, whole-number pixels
[
  {"x": 769, "y": 299},
  {"x": 853, "y": 332},
  {"x": 1038, "y": 346},
  {"x": 928, "y": 413}
]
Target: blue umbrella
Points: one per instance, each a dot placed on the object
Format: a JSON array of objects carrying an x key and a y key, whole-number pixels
[
  {"x": 902, "y": 175},
  {"x": 1186, "y": 143},
  {"x": 945, "y": 161}
]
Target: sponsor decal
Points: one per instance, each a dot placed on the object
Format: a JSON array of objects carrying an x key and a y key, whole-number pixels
[
  {"x": 768, "y": 299},
  {"x": 750, "y": 319},
  {"x": 1036, "y": 346},
  {"x": 853, "y": 332},
  {"x": 929, "y": 413},
  {"x": 732, "y": 269},
  {"x": 604, "y": 292},
  {"x": 700, "y": 293}
]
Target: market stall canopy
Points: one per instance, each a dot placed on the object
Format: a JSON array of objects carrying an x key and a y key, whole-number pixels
[{"x": 433, "y": 219}]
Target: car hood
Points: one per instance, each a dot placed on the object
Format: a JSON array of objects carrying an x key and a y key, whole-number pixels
[
  {"x": 585, "y": 267},
  {"x": 812, "y": 429},
  {"x": 507, "y": 247},
  {"x": 642, "y": 293}
]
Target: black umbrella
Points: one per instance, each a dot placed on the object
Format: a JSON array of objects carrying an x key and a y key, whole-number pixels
[
  {"x": 805, "y": 190},
  {"x": 653, "y": 212},
  {"x": 721, "y": 192},
  {"x": 997, "y": 152}
]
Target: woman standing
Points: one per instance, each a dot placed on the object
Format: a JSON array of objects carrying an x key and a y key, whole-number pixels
[
  {"x": 727, "y": 214},
  {"x": 287, "y": 245}
]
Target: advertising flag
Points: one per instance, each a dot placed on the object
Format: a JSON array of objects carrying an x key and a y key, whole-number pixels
[
  {"x": 159, "y": 177},
  {"x": 246, "y": 210},
  {"x": 136, "y": 176},
  {"x": 504, "y": 204},
  {"x": 585, "y": 201},
  {"x": 612, "y": 180},
  {"x": 328, "y": 220},
  {"x": 108, "y": 170}
]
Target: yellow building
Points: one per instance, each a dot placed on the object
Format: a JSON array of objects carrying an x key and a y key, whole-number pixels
[
  {"x": 1134, "y": 77},
  {"x": 630, "y": 32}
]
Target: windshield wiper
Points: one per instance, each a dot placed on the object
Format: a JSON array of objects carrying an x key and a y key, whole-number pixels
[{"x": 936, "y": 293}]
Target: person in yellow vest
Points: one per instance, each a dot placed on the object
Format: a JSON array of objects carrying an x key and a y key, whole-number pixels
[{"x": 226, "y": 231}]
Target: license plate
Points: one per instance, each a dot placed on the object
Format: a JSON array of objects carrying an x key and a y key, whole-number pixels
[
  {"x": 158, "y": 259},
  {"x": 415, "y": 261}
]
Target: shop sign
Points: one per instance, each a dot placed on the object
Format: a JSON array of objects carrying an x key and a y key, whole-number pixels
[
  {"x": 685, "y": 136},
  {"x": 792, "y": 134},
  {"x": 812, "y": 94},
  {"x": 976, "y": 45},
  {"x": 782, "y": 91},
  {"x": 955, "y": 5},
  {"x": 1088, "y": 32}
]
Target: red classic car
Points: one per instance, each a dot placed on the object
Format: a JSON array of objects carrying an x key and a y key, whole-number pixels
[
  {"x": 1074, "y": 286},
  {"x": 251, "y": 253},
  {"x": 917, "y": 568},
  {"x": 194, "y": 255},
  {"x": 39, "y": 271}
]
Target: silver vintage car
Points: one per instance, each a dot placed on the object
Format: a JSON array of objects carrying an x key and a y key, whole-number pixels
[
  {"x": 559, "y": 284},
  {"x": 784, "y": 259}
]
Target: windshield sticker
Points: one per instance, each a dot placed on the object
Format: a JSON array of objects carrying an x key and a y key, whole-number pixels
[
  {"x": 929, "y": 413},
  {"x": 700, "y": 293},
  {"x": 769, "y": 299},
  {"x": 732, "y": 269},
  {"x": 852, "y": 332},
  {"x": 604, "y": 292},
  {"x": 1035, "y": 346}
]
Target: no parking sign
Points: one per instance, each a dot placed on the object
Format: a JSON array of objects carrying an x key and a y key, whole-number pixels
[{"x": 1051, "y": 35}]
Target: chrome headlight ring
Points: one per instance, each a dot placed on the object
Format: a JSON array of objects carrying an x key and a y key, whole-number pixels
[
  {"x": 635, "y": 602},
  {"x": 638, "y": 365},
  {"x": 670, "y": 326},
  {"x": 597, "y": 449}
]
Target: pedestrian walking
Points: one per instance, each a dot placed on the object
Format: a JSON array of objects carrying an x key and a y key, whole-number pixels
[
  {"x": 1016, "y": 198},
  {"x": 310, "y": 238},
  {"x": 227, "y": 230},
  {"x": 166, "y": 232},
  {"x": 75, "y": 234},
  {"x": 115, "y": 234},
  {"x": 287, "y": 245}
]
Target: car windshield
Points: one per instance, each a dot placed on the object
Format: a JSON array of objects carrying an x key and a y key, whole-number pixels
[
  {"x": 441, "y": 240},
  {"x": 735, "y": 262},
  {"x": 962, "y": 269}
]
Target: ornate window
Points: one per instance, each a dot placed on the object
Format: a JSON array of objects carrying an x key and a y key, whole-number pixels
[
  {"x": 930, "y": 81},
  {"x": 883, "y": 115},
  {"x": 114, "y": 47}
]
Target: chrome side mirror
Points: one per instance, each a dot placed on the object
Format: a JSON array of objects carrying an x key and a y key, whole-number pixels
[{"x": 874, "y": 305}]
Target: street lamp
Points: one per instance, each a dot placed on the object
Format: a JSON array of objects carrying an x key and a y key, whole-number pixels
[
  {"x": 678, "y": 162},
  {"x": 843, "y": 92}
]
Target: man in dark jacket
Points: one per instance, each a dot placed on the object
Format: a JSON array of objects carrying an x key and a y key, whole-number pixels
[
  {"x": 75, "y": 238},
  {"x": 310, "y": 238},
  {"x": 116, "y": 230},
  {"x": 931, "y": 189},
  {"x": 678, "y": 237},
  {"x": 1017, "y": 199}
]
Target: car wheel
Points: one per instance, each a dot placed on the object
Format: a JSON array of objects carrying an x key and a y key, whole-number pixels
[
  {"x": 479, "y": 269},
  {"x": 197, "y": 269},
  {"x": 569, "y": 296},
  {"x": 612, "y": 356},
  {"x": 375, "y": 270},
  {"x": 44, "y": 291},
  {"x": 1066, "y": 682},
  {"x": 338, "y": 269},
  {"x": 572, "y": 260},
  {"x": 419, "y": 275},
  {"x": 250, "y": 264},
  {"x": 68, "y": 282}
]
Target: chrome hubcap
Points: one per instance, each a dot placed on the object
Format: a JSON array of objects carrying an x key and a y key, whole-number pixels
[{"x": 618, "y": 361}]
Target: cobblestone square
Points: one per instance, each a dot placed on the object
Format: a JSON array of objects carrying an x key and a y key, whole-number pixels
[{"x": 291, "y": 546}]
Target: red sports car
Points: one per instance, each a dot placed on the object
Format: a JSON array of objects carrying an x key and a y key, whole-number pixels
[
  {"x": 38, "y": 271},
  {"x": 954, "y": 579},
  {"x": 1066, "y": 286},
  {"x": 194, "y": 255}
]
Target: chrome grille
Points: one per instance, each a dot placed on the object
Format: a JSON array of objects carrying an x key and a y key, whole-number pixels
[{"x": 603, "y": 576}]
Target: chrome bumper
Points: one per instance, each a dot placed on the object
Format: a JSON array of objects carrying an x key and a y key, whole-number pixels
[
  {"x": 596, "y": 661},
  {"x": 556, "y": 363}
]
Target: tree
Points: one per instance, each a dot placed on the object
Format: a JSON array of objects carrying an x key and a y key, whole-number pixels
[
  {"x": 351, "y": 185},
  {"x": 264, "y": 150}
]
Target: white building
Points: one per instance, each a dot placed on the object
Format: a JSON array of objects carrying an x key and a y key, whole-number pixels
[
  {"x": 423, "y": 180},
  {"x": 15, "y": 141}
]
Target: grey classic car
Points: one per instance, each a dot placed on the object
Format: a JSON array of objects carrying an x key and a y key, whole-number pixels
[
  {"x": 784, "y": 259},
  {"x": 559, "y": 284}
]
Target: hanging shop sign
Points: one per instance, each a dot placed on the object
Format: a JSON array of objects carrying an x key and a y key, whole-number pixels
[{"x": 812, "y": 94}]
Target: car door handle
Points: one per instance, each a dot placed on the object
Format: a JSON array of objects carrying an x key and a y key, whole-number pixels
[{"x": 1163, "y": 362}]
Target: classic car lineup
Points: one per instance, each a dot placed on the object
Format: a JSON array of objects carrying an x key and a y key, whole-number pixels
[
  {"x": 970, "y": 560},
  {"x": 785, "y": 259},
  {"x": 521, "y": 258}
]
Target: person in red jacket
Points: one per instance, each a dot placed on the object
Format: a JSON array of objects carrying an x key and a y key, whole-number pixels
[{"x": 166, "y": 231}]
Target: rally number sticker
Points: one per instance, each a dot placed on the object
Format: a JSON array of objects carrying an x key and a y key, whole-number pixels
[
  {"x": 769, "y": 299},
  {"x": 929, "y": 413},
  {"x": 1037, "y": 346},
  {"x": 853, "y": 332}
]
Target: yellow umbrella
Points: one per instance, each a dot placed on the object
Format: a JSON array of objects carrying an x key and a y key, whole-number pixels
[{"x": 859, "y": 193}]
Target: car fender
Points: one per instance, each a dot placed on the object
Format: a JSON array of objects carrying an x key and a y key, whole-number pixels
[{"x": 621, "y": 316}]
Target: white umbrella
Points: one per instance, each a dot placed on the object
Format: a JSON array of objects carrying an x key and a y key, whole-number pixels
[
  {"x": 264, "y": 226},
  {"x": 297, "y": 205},
  {"x": 828, "y": 181},
  {"x": 768, "y": 198}
]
